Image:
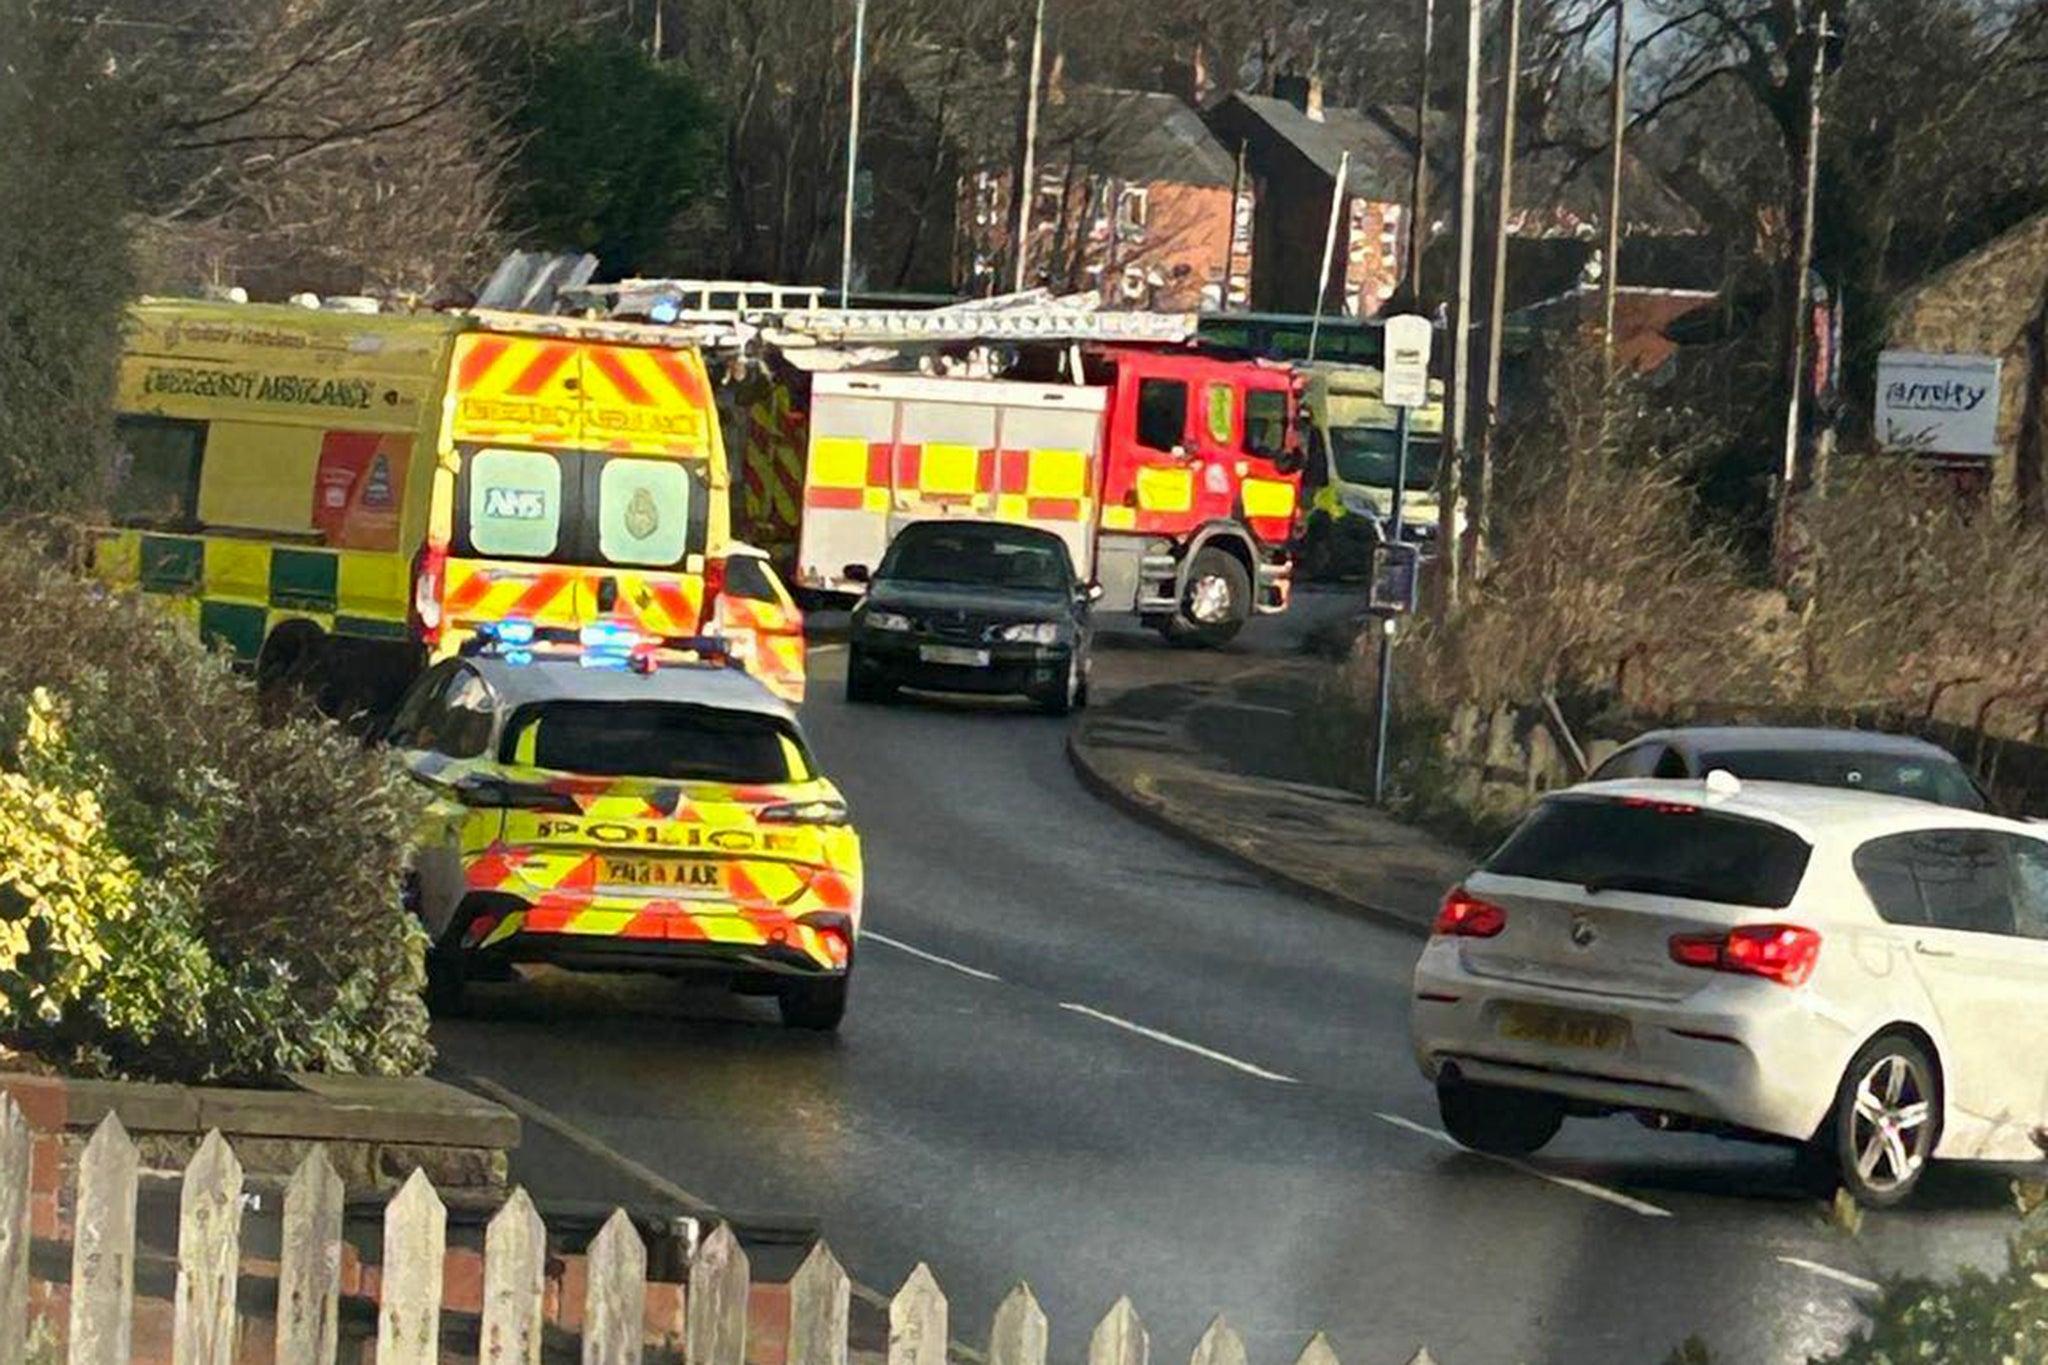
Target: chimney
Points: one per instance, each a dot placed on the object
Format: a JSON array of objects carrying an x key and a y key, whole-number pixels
[
  {"x": 1292, "y": 88},
  {"x": 1312, "y": 99},
  {"x": 1187, "y": 80}
]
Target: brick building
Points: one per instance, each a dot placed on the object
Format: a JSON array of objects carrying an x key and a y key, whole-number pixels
[
  {"x": 1293, "y": 146},
  {"x": 1132, "y": 199},
  {"x": 1994, "y": 302}
]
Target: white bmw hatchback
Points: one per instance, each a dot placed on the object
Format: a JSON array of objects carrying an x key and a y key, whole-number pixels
[{"x": 1863, "y": 976}]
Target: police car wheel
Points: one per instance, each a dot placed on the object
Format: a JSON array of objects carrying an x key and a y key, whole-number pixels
[
  {"x": 447, "y": 983},
  {"x": 817, "y": 1005}
]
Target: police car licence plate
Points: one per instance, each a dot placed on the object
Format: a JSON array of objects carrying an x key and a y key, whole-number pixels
[
  {"x": 953, "y": 654},
  {"x": 665, "y": 873}
]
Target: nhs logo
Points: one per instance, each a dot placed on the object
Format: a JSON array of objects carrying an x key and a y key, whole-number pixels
[{"x": 515, "y": 504}]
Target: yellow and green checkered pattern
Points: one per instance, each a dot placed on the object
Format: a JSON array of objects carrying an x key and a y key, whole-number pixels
[{"x": 237, "y": 591}]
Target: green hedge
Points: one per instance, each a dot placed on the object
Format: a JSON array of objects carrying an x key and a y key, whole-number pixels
[{"x": 186, "y": 891}]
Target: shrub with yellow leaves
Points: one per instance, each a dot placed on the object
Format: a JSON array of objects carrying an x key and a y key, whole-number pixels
[{"x": 62, "y": 880}]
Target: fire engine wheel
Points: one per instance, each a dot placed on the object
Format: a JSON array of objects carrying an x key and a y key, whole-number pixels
[{"x": 1215, "y": 603}]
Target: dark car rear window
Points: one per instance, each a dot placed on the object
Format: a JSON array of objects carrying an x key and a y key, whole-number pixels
[
  {"x": 1665, "y": 848},
  {"x": 1936, "y": 779},
  {"x": 980, "y": 555},
  {"x": 662, "y": 740}
]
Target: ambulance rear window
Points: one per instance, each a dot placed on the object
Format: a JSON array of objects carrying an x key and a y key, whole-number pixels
[
  {"x": 581, "y": 507},
  {"x": 667, "y": 741}
]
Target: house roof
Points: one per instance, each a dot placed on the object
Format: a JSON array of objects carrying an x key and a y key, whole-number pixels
[
  {"x": 1558, "y": 192},
  {"x": 1139, "y": 135},
  {"x": 1382, "y": 160},
  {"x": 1134, "y": 135}
]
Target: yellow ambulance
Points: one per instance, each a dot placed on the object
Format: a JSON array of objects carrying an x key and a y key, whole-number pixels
[{"x": 346, "y": 494}]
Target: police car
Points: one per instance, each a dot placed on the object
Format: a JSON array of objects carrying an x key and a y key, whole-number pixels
[{"x": 608, "y": 802}]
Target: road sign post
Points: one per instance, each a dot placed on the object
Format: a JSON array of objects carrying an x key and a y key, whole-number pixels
[{"x": 1404, "y": 385}]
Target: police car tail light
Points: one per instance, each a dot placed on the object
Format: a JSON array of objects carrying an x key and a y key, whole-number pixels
[
  {"x": 835, "y": 936},
  {"x": 490, "y": 793},
  {"x": 819, "y": 812},
  {"x": 429, "y": 579},
  {"x": 1784, "y": 953},
  {"x": 1464, "y": 915}
]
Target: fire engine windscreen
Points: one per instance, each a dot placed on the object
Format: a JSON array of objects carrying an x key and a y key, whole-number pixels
[
  {"x": 663, "y": 740},
  {"x": 980, "y": 556}
]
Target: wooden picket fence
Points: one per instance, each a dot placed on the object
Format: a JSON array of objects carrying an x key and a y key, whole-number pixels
[{"x": 205, "y": 1325}]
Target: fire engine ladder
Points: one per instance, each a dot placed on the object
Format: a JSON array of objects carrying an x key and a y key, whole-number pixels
[{"x": 790, "y": 316}]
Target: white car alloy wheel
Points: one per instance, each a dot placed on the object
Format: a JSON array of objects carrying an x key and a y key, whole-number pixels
[
  {"x": 1891, "y": 1125},
  {"x": 1209, "y": 599}
]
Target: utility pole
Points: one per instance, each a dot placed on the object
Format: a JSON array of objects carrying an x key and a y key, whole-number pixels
[
  {"x": 1230, "y": 238},
  {"x": 1027, "y": 177},
  {"x": 860, "y": 41},
  {"x": 1504, "y": 207},
  {"x": 1315, "y": 326},
  {"x": 1791, "y": 476},
  {"x": 1418, "y": 210},
  {"x": 1610, "y": 273},
  {"x": 1457, "y": 420}
]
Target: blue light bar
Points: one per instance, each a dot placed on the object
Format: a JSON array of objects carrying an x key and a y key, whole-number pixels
[
  {"x": 610, "y": 635},
  {"x": 506, "y": 632}
]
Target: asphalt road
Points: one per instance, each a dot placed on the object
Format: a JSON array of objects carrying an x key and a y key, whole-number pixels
[{"x": 1083, "y": 1055}]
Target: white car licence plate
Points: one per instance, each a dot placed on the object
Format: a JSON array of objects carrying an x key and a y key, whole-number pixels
[{"x": 953, "y": 654}]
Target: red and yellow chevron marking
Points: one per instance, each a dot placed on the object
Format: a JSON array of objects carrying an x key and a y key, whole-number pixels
[
  {"x": 495, "y": 591},
  {"x": 658, "y": 603},
  {"x": 548, "y": 392},
  {"x": 776, "y": 642},
  {"x": 1033, "y": 485}
]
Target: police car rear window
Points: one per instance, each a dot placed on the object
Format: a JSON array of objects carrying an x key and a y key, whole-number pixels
[
  {"x": 1663, "y": 848},
  {"x": 669, "y": 741}
]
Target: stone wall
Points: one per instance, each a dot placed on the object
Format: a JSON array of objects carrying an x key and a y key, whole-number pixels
[{"x": 1981, "y": 305}]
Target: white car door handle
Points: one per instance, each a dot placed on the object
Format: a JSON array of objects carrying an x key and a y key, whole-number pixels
[{"x": 1926, "y": 949}]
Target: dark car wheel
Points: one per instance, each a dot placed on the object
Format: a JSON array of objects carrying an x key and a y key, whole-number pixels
[
  {"x": 1066, "y": 694},
  {"x": 863, "y": 685},
  {"x": 1215, "y": 603},
  {"x": 817, "y": 1005},
  {"x": 1498, "y": 1120}
]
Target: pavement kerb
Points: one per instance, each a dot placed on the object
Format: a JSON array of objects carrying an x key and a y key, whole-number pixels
[{"x": 1160, "y": 817}]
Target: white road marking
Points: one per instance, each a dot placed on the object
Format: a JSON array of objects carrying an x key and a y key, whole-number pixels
[
  {"x": 1585, "y": 1187},
  {"x": 1260, "y": 707},
  {"x": 977, "y": 973},
  {"x": 1183, "y": 1044},
  {"x": 1855, "y": 1282},
  {"x": 595, "y": 1146},
  {"x": 824, "y": 649},
  {"x": 654, "y": 1180}
]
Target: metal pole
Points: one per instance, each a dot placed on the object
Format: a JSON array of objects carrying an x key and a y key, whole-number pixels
[
  {"x": 1030, "y": 171},
  {"x": 1230, "y": 238},
  {"x": 1385, "y": 706},
  {"x": 1788, "y": 475},
  {"x": 1315, "y": 325},
  {"x": 1457, "y": 421},
  {"x": 860, "y": 41},
  {"x": 1482, "y": 495},
  {"x": 1418, "y": 211},
  {"x": 1610, "y": 275}
]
